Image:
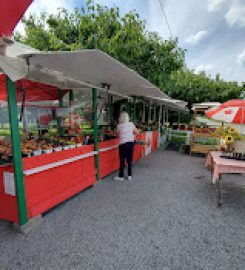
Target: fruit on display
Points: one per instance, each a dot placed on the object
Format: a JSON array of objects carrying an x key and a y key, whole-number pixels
[{"x": 5, "y": 151}]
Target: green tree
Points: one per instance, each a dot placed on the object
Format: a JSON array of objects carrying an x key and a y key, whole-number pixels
[
  {"x": 195, "y": 88},
  {"x": 123, "y": 37}
]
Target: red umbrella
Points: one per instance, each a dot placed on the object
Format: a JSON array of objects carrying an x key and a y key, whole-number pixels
[
  {"x": 11, "y": 11},
  {"x": 232, "y": 111}
]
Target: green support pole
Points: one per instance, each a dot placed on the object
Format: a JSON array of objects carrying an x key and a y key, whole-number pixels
[
  {"x": 154, "y": 112},
  {"x": 159, "y": 118},
  {"x": 149, "y": 113},
  {"x": 110, "y": 111},
  {"x": 129, "y": 107},
  {"x": 15, "y": 137},
  {"x": 71, "y": 98},
  {"x": 71, "y": 102},
  {"x": 134, "y": 110},
  {"x": 60, "y": 124},
  {"x": 96, "y": 141},
  {"x": 60, "y": 97},
  {"x": 143, "y": 114},
  {"x": 163, "y": 115}
]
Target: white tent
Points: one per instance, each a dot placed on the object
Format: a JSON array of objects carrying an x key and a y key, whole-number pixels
[
  {"x": 97, "y": 68},
  {"x": 79, "y": 70},
  {"x": 174, "y": 104}
]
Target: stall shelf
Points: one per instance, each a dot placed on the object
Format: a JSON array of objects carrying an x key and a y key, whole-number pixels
[
  {"x": 49, "y": 179},
  {"x": 139, "y": 150},
  {"x": 201, "y": 139},
  {"x": 155, "y": 139},
  {"x": 108, "y": 157}
]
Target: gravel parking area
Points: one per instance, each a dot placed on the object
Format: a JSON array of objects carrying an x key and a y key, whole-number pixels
[{"x": 165, "y": 218}]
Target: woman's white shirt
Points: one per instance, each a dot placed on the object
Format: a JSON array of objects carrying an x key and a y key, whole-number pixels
[{"x": 126, "y": 132}]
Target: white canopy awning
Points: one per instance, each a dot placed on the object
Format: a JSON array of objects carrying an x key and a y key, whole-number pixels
[
  {"x": 97, "y": 68},
  {"x": 174, "y": 104},
  {"x": 80, "y": 70},
  {"x": 204, "y": 105}
]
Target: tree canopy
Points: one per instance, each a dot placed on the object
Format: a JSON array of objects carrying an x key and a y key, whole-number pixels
[
  {"x": 194, "y": 88},
  {"x": 125, "y": 38}
]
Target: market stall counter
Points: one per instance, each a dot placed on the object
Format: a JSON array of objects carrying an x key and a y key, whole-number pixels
[
  {"x": 109, "y": 154},
  {"x": 139, "y": 150},
  {"x": 108, "y": 157},
  {"x": 49, "y": 179}
]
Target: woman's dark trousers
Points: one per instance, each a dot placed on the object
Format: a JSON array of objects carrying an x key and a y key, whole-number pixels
[{"x": 126, "y": 151}]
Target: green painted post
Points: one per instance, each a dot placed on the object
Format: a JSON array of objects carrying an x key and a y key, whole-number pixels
[
  {"x": 71, "y": 103},
  {"x": 60, "y": 97},
  {"x": 61, "y": 104},
  {"x": 149, "y": 113},
  {"x": 154, "y": 112},
  {"x": 110, "y": 111},
  {"x": 143, "y": 114},
  {"x": 71, "y": 98},
  {"x": 129, "y": 107},
  {"x": 95, "y": 127},
  {"x": 15, "y": 137},
  {"x": 134, "y": 110},
  {"x": 159, "y": 118},
  {"x": 163, "y": 115}
]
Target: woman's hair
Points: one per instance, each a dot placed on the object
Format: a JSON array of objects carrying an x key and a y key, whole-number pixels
[{"x": 124, "y": 118}]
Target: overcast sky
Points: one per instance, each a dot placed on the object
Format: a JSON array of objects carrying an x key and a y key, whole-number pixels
[{"x": 212, "y": 31}]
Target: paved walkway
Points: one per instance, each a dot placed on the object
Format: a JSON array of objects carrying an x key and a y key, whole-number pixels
[{"x": 165, "y": 219}]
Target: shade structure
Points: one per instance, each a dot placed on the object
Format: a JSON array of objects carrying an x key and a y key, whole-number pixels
[
  {"x": 95, "y": 67},
  {"x": 11, "y": 12},
  {"x": 232, "y": 111},
  {"x": 174, "y": 104},
  {"x": 80, "y": 70},
  {"x": 204, "y": 105},
  {"x": 34, "y": 91},
  {"x": 17, "y": 68},
  {"x": 17, "y": 49}
]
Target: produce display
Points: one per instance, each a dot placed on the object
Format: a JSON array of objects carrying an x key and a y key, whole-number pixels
[
  {"x": 146, "y": 126},
  {"x": 5, "y": 151},
  {"x": 49, "y": 143},
  {"x": 35, "y": 147}
]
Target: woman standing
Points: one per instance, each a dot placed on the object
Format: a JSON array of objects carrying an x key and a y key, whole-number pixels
[{"x": 126, "y": 131}]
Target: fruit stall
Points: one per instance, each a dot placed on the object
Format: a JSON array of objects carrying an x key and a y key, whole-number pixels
[
  {"x": 202, "y": 140},
  {"x": 57, "y": 133},
  {"x": 59, "y": 164}
]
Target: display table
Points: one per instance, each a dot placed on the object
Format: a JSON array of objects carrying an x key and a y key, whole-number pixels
[
  {"x": 139, "y": 150},
  {"x": 221, "y": 166},
  {"x": 50, "y": 179},
  {"x": 202, "y": 143},
  {"x": 108, "y": 157}
]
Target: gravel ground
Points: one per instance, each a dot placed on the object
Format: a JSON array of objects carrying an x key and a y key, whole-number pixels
[{"x": 166, "y": 218}]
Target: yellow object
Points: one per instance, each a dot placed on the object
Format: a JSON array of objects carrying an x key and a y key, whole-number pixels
[{"x": 229, "y": 139}]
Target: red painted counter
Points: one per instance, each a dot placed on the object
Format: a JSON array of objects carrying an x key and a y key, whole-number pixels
[
  {"x": 50, "y": 179},
  {"x": 139, "y": 150},
  {"x": 8, "y": 203},
  {"x": 155, "y": 139},
  {"x": 108, "y": 157}
]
